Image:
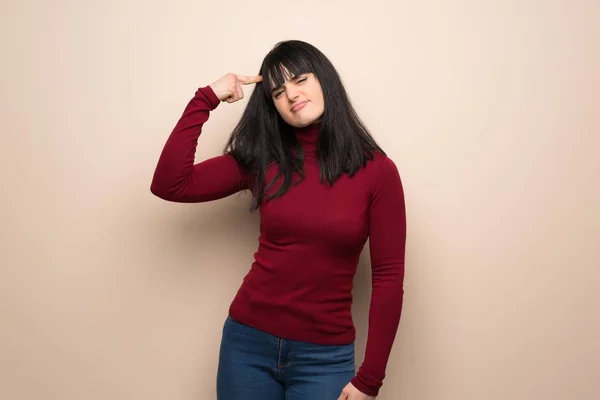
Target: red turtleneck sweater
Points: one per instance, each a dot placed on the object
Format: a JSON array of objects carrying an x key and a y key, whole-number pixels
[{"x": 300, "y": 285}]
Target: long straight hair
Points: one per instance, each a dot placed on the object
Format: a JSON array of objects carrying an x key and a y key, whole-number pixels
[{"x": 262, "y": 138}]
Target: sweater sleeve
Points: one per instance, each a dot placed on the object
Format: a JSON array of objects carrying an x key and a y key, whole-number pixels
[
  {"x": 387, "y": 238},
  {"x": 176, "y": 177}
]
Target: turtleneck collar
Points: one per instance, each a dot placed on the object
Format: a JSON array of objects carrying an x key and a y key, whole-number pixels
[{"x": 308, "y": 137}]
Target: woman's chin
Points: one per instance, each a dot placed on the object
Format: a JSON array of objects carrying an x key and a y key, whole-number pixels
[{"x": 304, "y": 122}]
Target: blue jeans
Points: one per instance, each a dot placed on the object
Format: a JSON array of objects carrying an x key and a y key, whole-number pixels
[{"x": 254, "y": 365}]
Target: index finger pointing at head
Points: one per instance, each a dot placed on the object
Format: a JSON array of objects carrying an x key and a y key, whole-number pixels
[{"x": 246, "y": 80}]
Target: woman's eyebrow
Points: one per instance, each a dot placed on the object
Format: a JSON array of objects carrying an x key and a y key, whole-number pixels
[{"x": 289, "y": 80}]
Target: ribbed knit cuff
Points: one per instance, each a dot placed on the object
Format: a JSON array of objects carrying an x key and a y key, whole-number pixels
[
  {"x": 210, "y": 95},
  {"x": 364, "y": 387}
]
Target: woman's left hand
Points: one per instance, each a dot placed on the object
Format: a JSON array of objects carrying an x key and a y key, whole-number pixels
[{"x": 350, "y": 392}]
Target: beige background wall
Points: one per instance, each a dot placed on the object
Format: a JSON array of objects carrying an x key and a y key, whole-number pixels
[{"x": 489, "y": 108}]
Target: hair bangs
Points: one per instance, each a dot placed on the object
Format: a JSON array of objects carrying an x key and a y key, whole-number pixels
[{"x": 282, "y": 65}]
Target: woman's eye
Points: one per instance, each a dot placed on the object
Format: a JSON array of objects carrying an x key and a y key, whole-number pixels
[{"x": 302, "y": 80}]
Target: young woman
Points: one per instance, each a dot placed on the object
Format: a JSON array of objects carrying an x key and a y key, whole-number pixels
[{"x": 323, "y": 187}]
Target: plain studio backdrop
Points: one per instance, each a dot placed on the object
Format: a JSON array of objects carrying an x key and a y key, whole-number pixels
[{"x": 490, "y": 109}]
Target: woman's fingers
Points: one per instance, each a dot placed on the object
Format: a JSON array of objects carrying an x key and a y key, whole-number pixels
[
  {"x": 229, "y": 87},
  {"x": 247, "y": 80}
]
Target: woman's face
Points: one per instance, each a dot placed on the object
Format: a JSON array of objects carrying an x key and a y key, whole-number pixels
[{"x": 300, "y": 100}]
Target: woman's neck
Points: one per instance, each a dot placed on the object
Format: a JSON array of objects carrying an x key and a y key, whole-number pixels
[{"x": 308, "y": 137}]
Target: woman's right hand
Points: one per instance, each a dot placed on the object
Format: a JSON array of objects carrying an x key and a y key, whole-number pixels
[{"x": 229, "y": 87}]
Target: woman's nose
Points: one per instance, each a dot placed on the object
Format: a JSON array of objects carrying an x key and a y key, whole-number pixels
[{"x": 292, "y": 93}]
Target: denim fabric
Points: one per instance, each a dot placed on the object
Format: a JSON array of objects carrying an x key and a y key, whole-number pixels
[{"x": 254, "y": 365}]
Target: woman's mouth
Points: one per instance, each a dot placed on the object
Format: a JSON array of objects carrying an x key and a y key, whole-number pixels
[{"x": 299, "y": 106}]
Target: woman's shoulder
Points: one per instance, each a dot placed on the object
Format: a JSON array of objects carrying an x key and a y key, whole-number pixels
[
  {"x": 381, "y": 163},
  {"x": 381, "y": 171}
]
